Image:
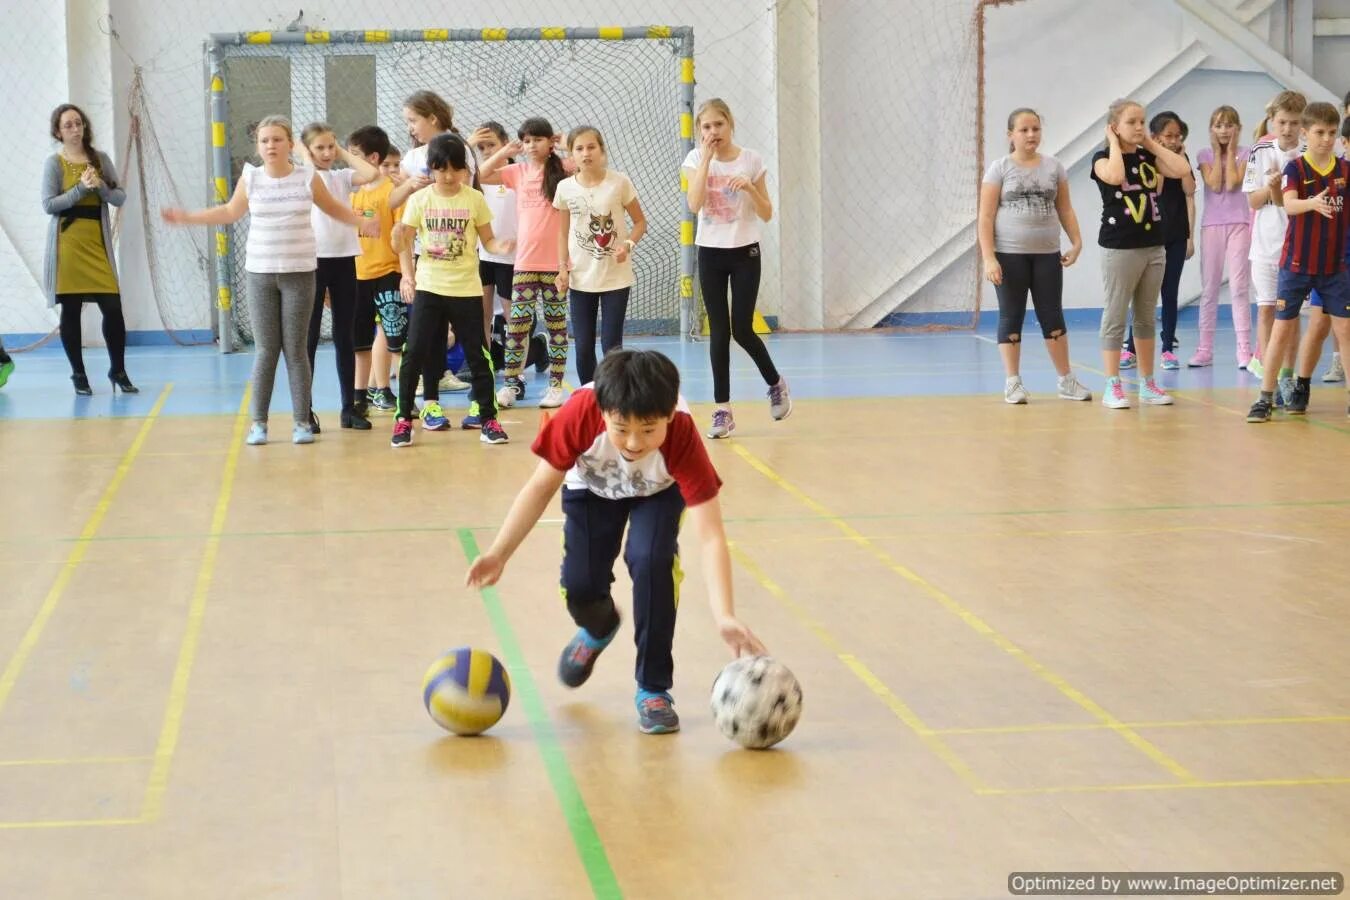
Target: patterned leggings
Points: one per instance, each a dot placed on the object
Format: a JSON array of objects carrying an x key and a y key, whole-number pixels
[{"x": 527, "y": 288}]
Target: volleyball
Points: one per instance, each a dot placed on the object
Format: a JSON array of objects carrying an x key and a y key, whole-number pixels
[
  {"x": 466, "y": 691},
  {"x": 756, "y": 701}
]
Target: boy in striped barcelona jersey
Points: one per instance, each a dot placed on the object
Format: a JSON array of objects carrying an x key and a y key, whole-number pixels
[{"x": 1314, "y": 189}]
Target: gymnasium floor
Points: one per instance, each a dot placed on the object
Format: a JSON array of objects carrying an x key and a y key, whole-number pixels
[{"x": 1052, "y": 637}]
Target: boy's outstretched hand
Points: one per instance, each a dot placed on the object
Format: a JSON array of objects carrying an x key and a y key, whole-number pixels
[
  {"x": 485, "y": 571},
  {"x": 740, "y": 638}
]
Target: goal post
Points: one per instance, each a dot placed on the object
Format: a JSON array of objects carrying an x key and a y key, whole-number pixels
[{"x": 505, "y": 74}]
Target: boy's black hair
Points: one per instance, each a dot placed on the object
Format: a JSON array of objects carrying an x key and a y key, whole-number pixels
[
  {"x": 637, "y": 384},
  {"x": 370, "y": 139},
  {"x": 447, "y": 151}
]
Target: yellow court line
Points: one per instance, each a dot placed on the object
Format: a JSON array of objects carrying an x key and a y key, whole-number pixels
[
  {"x": 1182, "y": 723},
  {"x": 1163, "y": 786},
  {"x": 863, "y": 673},
  {"x": 67, "y": 823},
  {"x": 153, "y": 803},
  {"x": 76, "y": 555},
  {"x": 981, "y": 627},
  {"x": 86, "y": 761}
]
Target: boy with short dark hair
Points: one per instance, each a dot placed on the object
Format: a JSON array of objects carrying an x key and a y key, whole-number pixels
[
  {"x": 1314, "y": 251},
  {"x": 377, "y": 276},
  {"x": 626, "y": 452}
]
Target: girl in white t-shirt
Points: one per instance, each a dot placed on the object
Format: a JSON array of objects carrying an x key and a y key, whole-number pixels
[
  {"x": 595, "y": 246},
  {"x": 279, "y": 262},
  {"x": 727, "y": 192},
  {"x": 335, "y": 275}
]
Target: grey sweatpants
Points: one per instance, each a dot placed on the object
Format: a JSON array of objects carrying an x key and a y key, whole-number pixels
[
  {"x": 1131, "y": 279},
  {"x": 279, "y": 306}
]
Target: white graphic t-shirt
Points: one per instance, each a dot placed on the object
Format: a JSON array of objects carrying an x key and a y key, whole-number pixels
[
  {"x": 728, "y": 218},
  {"x": 597, "y": 228}
]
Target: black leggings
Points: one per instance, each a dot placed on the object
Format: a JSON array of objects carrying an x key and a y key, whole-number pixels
[
  {"x": 337, "y": 275},
  {"x": 611, "y": 306},
  {"x": 1043, "y": 275},
  {"x": 114, "y": 329},
  {"x": 1171, "y": 287},
  {"x": 738, "y": 267},
  {"x": 431, "y": 315}
]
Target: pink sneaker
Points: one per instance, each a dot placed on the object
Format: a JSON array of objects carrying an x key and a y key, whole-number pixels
[
  {"x": 1201, "y": 358},
  {"x": 1170, "y": 361},
  {"x": 1127, "y": 360},
  {"x": 1244, "y": 354}
]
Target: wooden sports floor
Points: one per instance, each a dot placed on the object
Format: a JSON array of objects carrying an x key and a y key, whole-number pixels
[{"x": 1043, "y": 638}]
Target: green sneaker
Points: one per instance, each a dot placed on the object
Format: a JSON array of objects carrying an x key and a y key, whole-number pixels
[{"x": 5, "y": 368}]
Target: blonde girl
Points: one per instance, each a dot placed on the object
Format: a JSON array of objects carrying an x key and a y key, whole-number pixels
[
  {"x": 1129, "y": 173},
  {"x": 1225, "y": 235},
  {"x": 728, "y": 191},
  {"x": 279, "y": 263}
]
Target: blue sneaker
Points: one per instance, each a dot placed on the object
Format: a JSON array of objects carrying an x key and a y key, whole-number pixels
[
  {"x": 656, "y": 713},
  {"x": 579, "y": 656},
  {"x": 433, "y": 417},
  {"x": 1151, "y": 394},
  {"x": 473, "y": 420}
]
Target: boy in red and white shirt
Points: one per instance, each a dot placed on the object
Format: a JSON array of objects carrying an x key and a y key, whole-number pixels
[{"x": 626, "y": 452}]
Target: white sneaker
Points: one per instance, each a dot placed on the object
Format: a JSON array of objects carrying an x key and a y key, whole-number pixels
[
  {"x": 1014, "y": 392},
  {"x": 1070, "y": 388},
  {"x": 506, "y": 397},
  {"x": 1336, "y": 373},
  {"x": 1114, "y": 396},
  {"x": 552, "y": 399},
  {"x": 452, "y": 384}
]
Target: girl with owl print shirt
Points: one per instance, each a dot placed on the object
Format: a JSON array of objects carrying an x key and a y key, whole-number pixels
[{"x": 595, "y": 245}]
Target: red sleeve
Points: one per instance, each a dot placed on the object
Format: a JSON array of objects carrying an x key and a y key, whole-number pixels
[
  {"x": 688, "y": 463},
  {"x": 510, "y": 176},
  {"x": 569, "y": 432}
]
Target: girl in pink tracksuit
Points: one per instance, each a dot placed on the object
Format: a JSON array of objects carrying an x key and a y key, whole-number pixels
[{"x": 1225, "y": 236}]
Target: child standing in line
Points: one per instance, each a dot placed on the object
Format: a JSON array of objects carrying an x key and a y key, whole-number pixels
[
  {"x": 1225, "y": 234},
  {"x": 338, "y": 246},
  {"x": 377, "y": 276},
  {"x": 728, "y": 191},
  {"x": 1129, "y": 172},
  {"x": 596, "y": 246},
  {"x": 1315, "y": 191},
  {"x": 626, "y": 454},
  {"x": 535, "y": 182},
  {"x": 1024, "y": 201},
  {"x": 1277, "y": 145},
  {"x": 1177, "y": 199},
  {"x": 279, "y": 263},
  {"x": 449, "y": 218}
]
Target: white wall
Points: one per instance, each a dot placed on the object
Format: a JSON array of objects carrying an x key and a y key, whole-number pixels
[
  {"x": 1027, "y": 65},
  {"x": 875, "y": 206}
]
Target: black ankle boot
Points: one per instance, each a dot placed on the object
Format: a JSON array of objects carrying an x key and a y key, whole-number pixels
[
  {"x": 352, "y": 418},
  {"x": 81, "y": 382},
  {"x": 121, "y": 382}
]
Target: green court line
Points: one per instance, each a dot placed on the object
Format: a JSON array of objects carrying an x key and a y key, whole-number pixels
[
  {"x": 732, "y": 520},
  {"x": 587, "y": 840}
]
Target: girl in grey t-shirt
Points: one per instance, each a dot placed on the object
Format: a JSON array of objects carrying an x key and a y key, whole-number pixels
[{"x": 1024, "y": 202}]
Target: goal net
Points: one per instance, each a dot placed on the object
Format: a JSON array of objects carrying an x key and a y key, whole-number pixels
[{"x": 630, "y": 83}]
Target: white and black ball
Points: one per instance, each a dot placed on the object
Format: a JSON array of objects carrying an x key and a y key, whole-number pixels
[{"x": 756, "y": 701}]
